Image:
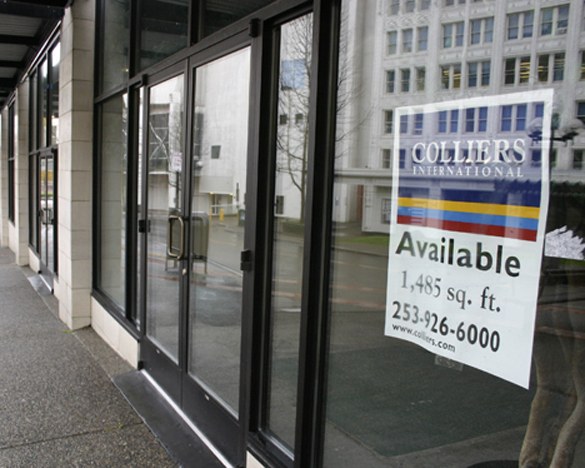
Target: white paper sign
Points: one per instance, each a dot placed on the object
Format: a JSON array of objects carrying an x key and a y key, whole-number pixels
[
  {"x": 176, "y": 162},
  {"x": 469, "y": 205}
]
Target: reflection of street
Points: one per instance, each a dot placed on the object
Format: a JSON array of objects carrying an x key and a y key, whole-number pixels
[
  {"x": 437, "y": 416},
  {"x": 360, "y": 280}
]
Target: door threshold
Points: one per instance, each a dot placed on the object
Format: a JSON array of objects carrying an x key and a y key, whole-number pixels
[
  {"x": 188, "y": 447},
  {"x": 41, "y": 285}
]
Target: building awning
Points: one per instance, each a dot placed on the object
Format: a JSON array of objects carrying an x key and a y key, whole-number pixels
[{"x": 25, "y": 26}]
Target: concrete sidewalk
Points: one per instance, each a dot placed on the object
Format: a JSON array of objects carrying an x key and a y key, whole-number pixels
[{"x": 58, "y": 405}]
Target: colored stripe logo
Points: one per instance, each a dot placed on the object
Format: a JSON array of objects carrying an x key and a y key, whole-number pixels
[{"x": 510, "y": 221}]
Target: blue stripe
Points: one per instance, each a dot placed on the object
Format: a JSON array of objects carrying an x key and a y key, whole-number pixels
[
  {"x": 472, "y": 218},
  {"x": 524, "y": 194}
]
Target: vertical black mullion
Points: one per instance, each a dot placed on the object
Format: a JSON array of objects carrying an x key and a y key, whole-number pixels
[
  {"x": 248, "y": 371},
  {"x": 131, "y": 233},
  {"x": 55, "y": 153},
  {"x": 188, "y": 96},
  {"x": 96, "y": 193},
  {"x": 11, "y": 202},
  {"x": 135, "y": 43},
  {"x": 253, "y": 355},
  {"x": 38, "y": 200},
  {"x": 270, "y": 110},
  {"x": 38, "y": 143},
  {"x": 30, "y": 200},
  {"x": 196, "y": 15},
  {"x": 314, "y": 320},
  {"x": 97, "y": 128},
  {"x": 260, "y": 235},
  {"x": 49, "y": 96},
  {"x": 142, "y": 239},
  {"x": 98, "y": 60}
]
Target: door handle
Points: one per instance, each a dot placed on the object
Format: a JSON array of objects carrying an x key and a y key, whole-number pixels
[
  {"x": 171, "y": 251},
  {"x": 246, "y": 260},
  {"x": 144, "y": 225}
]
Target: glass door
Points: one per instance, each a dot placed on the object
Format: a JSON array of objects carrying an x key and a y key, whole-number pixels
[
  {"x": 164, "y": 228},
  {"x": 217, "y": 225},
  {"x": 193, "y": 286},
  {"x": 46, "y": 214}
]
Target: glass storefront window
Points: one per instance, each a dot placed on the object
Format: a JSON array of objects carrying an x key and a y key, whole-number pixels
[
  {"x": 115, "y": 44},
  {"x": 218, "y": 223},
  {"x": 34, "y": 109},
  {"x": 289, "y": 221},
  {"x": 43, "y": 115},
  {"x": 219, "y": 14},
  {"x": 163, "y": 29},
  {"x": 54, "y": 93},
  {"x": 113, "y": 181},
  {"x": 457, "y": 276}
]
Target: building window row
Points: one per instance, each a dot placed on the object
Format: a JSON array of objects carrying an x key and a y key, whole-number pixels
[
  {"x": 481, "y": 31},
  {"x": 520, "y": 25},
  {"x": 516, "y": 70},
  {"x": 513, "y": 118},
  {"x": 405, "y": 76},
  {"x": 553, "y": 21},
  {"x": 550, "y": 68},
  {"x": 448, "y": 3},
  {"x": 478, "y": 74},
  {"x": 396, "y": 7},
  {"x": 408, "y": 41}
]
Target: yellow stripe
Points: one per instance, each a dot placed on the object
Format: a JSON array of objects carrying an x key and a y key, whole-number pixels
[{"x": 470, "y": 207}]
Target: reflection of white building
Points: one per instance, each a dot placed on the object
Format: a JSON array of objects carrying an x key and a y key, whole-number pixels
[
  {"x": 220, "y": 141},
  {"x": 219, "y": 146},
  {"x": 426, "y": 52},
  {"x": 293, "y": 110}
]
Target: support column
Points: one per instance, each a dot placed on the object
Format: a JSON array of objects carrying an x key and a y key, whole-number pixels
[
  {"x": 73, "y": 285},
  {"x": 21, "y": 176}
]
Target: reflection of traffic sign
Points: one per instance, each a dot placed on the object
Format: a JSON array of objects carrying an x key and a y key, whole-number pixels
[{"x": 176, "y": 162}]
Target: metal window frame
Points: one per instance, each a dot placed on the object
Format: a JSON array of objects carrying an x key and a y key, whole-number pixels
[{"x": 313, "y": 351}]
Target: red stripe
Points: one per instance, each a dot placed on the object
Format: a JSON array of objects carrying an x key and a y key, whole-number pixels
[{"x": 457, "y": 226}]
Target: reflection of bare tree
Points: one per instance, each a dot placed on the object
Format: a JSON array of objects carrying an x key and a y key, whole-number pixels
[{"x": 295, "y": 77}]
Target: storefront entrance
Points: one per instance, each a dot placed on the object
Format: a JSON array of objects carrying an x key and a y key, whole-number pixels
[
  {"x": 44, "y": 206},
  {"x": 193, "y": 284},
  {"x": 207, "y": 212}
]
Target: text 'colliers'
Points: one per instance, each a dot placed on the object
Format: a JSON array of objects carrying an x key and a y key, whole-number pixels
[{"x": 446, "y": 252}]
